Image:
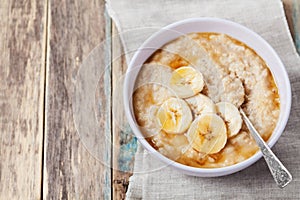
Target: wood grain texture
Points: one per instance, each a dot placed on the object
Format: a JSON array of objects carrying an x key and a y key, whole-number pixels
[
  {"x": 74, "y": 28},
  {"x": 22, "y": 69},
  {"x": 296, "y": 23},
  {"x": 70, "y": 171},
  {"x": 124, "y": 142},
  {"x": 288, "y": 8},
  {"x": 292, "y": 12}
]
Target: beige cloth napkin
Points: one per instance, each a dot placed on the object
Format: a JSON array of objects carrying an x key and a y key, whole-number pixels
[{"x": 136, "y": 20}]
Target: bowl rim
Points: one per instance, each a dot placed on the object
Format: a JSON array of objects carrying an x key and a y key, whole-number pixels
[{"x": 205, "y": 172}]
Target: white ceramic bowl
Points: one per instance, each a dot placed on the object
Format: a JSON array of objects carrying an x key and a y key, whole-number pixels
[{"x": 236, "y": 31}]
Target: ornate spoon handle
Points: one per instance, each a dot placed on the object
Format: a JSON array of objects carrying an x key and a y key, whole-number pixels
[{"x": 280, "y": 174}]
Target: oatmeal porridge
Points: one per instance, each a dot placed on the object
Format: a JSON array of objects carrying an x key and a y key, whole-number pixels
[{"x": 188, "y": 95}]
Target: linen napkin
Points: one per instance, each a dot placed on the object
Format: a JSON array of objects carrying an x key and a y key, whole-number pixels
[{"x": 136, "y": 21}]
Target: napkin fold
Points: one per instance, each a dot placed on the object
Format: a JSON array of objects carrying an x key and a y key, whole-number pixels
[{"x": 136, "y": 21}]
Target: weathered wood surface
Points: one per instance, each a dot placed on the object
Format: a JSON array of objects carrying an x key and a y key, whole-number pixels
[
  {"x": 43, "y": 43},
  {"x": 292, "y": 11},
  {"x": 75, "y": 27},
  {"x": 22, "y": 69},
  {"x": 296, "y": 23},
  {"x": 288, "y": 8},
  {"x": 124, "y": 142}
]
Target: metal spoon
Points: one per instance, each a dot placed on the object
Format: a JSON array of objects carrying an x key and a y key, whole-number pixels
[{"x": 280, "y": 174}]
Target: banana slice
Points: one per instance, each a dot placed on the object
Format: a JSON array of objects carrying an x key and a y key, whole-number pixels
[
  {"x": 174, "y": 116},
  {"x": 231, "y": 116},
  {"x": 186, "y": 81},
  {"x": 207, "y": 133},
  {"x": 201, "y": 104}
]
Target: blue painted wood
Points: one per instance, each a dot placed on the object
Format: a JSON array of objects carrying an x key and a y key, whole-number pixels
[
  {"x": 128, "y": 149},
  {"x": 107, "y": 190},
  {"x": 124, "y": 144}
]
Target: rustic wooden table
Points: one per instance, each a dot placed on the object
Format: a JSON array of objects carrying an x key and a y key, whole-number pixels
[{"x": 43, "y": 43}]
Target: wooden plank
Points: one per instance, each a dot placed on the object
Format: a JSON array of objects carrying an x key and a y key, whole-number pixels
[
  {"x": 71, "y": 170},
  {"x": 22, "y": 69},
  {"x": 292, "y": 11},
  {"x": 296, "y": 23},
  {"x": 124, "y": 143},
  {"x": 288, "y": 8}
]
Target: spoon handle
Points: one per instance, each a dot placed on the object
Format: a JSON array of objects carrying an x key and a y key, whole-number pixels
[{"x": 280, "y": 174}]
